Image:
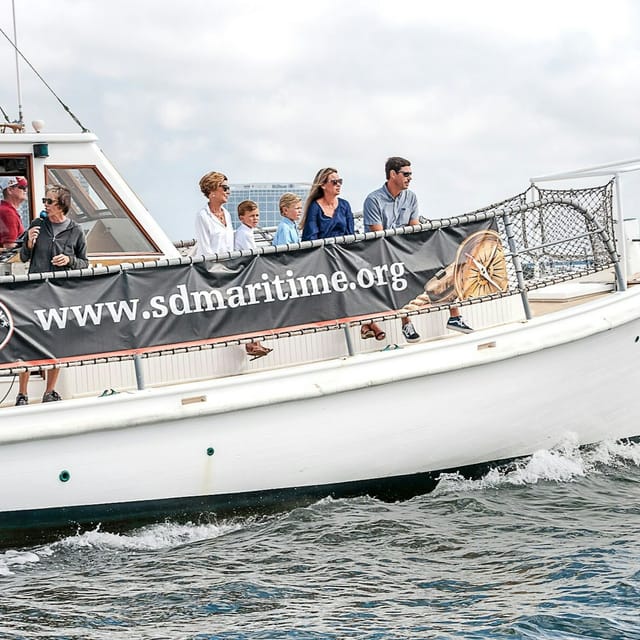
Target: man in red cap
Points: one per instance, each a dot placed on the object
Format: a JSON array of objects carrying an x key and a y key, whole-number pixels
[{"x": 14, "y": 193}]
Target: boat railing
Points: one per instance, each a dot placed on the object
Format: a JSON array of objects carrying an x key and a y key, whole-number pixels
[{"x": 549, "y": 240}]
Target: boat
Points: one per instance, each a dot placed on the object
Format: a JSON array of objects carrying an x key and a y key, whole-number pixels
[{"x": 165, "y": 416}]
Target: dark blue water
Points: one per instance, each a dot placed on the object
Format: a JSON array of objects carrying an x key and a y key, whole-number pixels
[{"x": 548, "y": 550}]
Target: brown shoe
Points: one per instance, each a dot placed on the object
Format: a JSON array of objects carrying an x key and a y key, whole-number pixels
[{"x": 257, "y": 350}]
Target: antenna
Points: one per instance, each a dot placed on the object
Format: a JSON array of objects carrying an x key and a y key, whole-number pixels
[{"x": 15, "y": 42}]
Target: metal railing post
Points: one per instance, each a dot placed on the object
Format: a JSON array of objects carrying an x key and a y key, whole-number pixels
[
  {"x": 137, "y": 365},
  {"x": 621, "y": 271},
  {"x": 517, "y": 265},
  {"x": 347, "y": 337}
]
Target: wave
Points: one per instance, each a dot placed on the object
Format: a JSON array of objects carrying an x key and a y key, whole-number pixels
[
  {"x": 565, "y": 463},
  {"x": 15, "y": 558},
  {"x": 156, "y": 537}
]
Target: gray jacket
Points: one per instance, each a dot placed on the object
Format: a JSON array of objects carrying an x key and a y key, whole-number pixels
[{"x": 70, "y": 242}]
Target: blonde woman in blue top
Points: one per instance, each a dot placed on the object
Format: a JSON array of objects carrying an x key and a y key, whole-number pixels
[{"x": 326, "y": 215}]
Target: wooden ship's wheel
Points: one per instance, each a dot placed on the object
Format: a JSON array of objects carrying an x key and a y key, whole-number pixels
[
  {"x": 479, "y": 269},
  {"x": 480, "y": 266}
]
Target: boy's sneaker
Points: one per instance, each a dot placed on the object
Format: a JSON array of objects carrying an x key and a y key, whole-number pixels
[
  {"x": 51, "y": 396},
  {"x": 457, "y": 324},
  {"x": 409, "y": 333},
  {"x": 21, "y": 399}
]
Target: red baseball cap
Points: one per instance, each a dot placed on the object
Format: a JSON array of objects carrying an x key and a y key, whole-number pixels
[{"x": 13, "y": 181}]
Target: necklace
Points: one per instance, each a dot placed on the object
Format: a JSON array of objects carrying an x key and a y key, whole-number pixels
[{"x": 220, "y": 216}]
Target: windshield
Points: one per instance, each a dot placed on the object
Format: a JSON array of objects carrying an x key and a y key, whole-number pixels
[{"x": 108, "y": 226}]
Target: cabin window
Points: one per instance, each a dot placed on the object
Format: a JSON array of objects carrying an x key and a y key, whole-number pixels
[
  {"x": 18, "y": 166},
  {"x": 108, "y": 226}
]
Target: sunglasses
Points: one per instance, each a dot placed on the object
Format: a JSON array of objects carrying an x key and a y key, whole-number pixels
[
  {"x": 17, "y": 186},
  {"x": 406, "y": 174},
  {"x": 225, "y": 187},
  {"x": 336, "y": 181},
  {"x": 49, "y": 201}
]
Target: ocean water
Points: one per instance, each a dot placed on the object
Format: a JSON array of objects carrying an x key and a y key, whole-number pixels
[{"x": 546, "y": 549}]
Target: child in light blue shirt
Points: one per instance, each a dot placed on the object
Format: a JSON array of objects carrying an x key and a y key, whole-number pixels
[{"x": 290, "y": 210}]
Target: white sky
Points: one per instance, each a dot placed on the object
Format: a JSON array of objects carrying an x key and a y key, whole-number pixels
[{"x": 479, "y": 95}]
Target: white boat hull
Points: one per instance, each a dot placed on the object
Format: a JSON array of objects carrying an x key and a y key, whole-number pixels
[{"x": 385, "y": 423}]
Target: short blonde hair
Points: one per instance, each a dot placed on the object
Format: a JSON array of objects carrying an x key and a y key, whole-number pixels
[
  {"x": 211, "y": 181},
  {"x": 288, "y": 200},
  {"x": 246, "y": 206}
]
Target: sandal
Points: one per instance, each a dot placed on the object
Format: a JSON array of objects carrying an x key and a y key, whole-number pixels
[
  {"x": 367, "y": 332},
  {"x": 378, "y": 333},
  {"x": 257, "y": 350}
]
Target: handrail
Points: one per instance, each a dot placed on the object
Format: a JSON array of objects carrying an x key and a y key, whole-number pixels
[
  {"x": 505, "y": 213},
  {"x": 439, "y": 223}
]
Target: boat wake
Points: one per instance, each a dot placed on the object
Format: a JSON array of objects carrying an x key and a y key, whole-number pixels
[
  {"x": 155, "y": 537},
  {"x": 562, "y": 464}
]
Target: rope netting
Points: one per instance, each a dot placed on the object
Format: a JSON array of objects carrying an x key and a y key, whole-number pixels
[{"x": 555, "y": 240}]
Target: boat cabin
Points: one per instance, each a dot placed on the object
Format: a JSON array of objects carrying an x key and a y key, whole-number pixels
[{"x": 117, "y": 226}]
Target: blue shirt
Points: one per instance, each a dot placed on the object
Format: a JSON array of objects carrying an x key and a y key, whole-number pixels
[
  {"x": 286, "y": 233},
  {"x": 381, "y": 207},
  {"x": 318, "y": 225}
]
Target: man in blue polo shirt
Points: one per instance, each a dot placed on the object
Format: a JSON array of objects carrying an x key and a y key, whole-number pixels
[{"x": 394, "y": 205}]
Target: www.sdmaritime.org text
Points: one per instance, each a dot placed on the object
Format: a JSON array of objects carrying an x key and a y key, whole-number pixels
[{"x": 271, "y": 289}]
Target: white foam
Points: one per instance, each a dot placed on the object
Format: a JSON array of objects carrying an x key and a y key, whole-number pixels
[
  {"x": 616, "y": 454},
  {"x": 15, "y": 558},
  {"x": 563, "y": 464},
  {"x": 153, "y": 537}
]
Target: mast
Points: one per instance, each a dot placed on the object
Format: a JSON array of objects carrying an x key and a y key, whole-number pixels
[{"x": 15, "y": 42}]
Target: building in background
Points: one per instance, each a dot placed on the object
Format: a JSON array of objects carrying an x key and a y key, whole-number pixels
[{"x": 266, "y": 195}]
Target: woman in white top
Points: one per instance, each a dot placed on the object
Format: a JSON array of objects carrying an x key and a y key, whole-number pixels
[{"x": 214, "y": 231}]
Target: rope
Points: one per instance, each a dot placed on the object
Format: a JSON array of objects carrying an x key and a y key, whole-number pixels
[
  {"x": 4, "y": 113},
  {"x": 6, "y": 395},
  {"x": 55, "y": 95}
]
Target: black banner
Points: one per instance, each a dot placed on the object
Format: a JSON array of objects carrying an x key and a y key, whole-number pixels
[{"x": 140, "y": 310}]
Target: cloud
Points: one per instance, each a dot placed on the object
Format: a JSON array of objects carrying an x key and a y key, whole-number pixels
[{"x": 479, "y": 96}]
